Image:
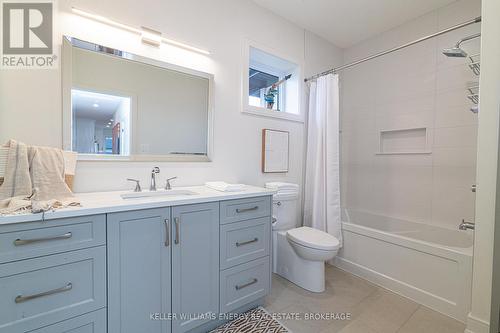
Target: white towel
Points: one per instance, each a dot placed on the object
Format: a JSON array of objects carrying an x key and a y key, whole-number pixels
[
  {"x": 34, "y": 180},
  {"x": 16, "y": 190},
  {"x": 47, "y": 169},
  {"x": 17, "y": 175},
  {"x": 280, "y": 186},
  {"x": 225, "y": 187}
]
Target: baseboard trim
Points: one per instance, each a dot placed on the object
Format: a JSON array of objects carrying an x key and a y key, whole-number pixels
[{"x": 476, "y": 325}]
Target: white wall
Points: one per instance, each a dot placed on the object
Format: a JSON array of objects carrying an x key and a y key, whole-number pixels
[
  {"x": 219, "y": 26},
  {"x": 84, "y": 130},
  {"x": 487, "y": 169},
  {"x": 414, "y": 87}
]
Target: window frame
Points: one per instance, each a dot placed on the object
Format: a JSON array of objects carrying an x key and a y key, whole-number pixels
[
  {"x": 262, "y": 111},
  {"x": 269, "y": 70}
]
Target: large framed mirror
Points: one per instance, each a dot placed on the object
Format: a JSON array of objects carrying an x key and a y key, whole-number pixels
[{"x": 122, "y": 106}]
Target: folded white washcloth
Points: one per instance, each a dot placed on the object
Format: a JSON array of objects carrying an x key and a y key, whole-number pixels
[
  {"x": 280, "y": 186},
  {"x": 225, "y": 187}
]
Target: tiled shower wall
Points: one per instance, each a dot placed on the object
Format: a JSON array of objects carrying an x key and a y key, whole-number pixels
[{"x": 417, "y": 87}]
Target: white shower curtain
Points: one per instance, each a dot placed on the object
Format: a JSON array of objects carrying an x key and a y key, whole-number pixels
[{"x": 322, "y": 183}]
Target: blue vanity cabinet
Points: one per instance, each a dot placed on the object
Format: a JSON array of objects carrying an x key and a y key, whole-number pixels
[
  {"x": 157, "y": 270},
  {"x": 195, "y": 265},
  {"x": 163, "y": 261},
  {"x": 245, "y": 250},
  {"x": 139, "y": 271},
  {"x": 53, "y": 275},
  {"x": 93, "y": 322}
]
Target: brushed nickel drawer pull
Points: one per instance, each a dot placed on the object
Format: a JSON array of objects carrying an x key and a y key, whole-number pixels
[
  {"x": 244, "y": 210},
  {"x": 238, "y": 244},
  {"x": 241, "y": 286},
  {"x": 20, "y": 298},
  {"x": 18, "y": 241},
  {"x": 176, "y": 221},
  {"x": 167, "y": 233}
]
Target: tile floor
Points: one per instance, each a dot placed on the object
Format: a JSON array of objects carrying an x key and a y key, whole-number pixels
[{"x": 372, "y": 308}]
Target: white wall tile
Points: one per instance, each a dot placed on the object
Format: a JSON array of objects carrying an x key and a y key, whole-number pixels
[
  {"x": 454, "y": 116},
  {"x": 405, "y": 192},
  {"x": 415, "y": 87},
  {"x": 452, "y": 198},
  {"x": 455, "y": 76},
  {"x": 456, "y": 137},
  {"x": 454, "y": 157}
]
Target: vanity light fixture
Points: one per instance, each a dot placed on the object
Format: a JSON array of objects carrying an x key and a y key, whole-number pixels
[{"x": 148, "y": 36}]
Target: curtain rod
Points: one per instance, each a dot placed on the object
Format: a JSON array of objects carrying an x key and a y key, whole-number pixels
[{"x": 357, "y": 62}]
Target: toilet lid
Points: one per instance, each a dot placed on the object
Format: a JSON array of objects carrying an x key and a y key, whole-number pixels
[{"x": 313, "y": 238}]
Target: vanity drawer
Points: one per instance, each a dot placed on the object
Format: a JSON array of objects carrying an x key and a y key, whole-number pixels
[
  {"x": 36, "y": 239},
  {"x": 94, "y": 322},
  {"x": 244, "y": 209},
  {"x": 42, "y": 291},
  {"x": 243, "y": 284},
  {"x": 244, "y": 241}
]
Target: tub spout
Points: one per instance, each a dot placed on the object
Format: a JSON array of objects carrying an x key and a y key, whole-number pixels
[{"x": 466, "y": 225}]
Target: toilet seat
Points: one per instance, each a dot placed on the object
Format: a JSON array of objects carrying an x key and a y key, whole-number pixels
[{"x": 313, "y": 238}]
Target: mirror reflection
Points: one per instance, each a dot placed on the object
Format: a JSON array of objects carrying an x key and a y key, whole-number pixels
[
  {"x": 101, "y": 123},
  {"x": 126, "y": 105}
]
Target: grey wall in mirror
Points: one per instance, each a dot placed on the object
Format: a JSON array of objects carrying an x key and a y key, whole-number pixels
[{"x": 124, "y": 106}]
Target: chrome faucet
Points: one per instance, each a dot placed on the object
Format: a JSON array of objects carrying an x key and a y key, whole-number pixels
[
  {"x": 155, "y": 170},
  {"x": 466, "y": 225},
  {"x": 167, "y": 185},
  {"x": 137, "y": 184}
]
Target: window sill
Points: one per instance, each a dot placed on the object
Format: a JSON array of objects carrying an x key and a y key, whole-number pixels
[{"x": 263, "y": 112}]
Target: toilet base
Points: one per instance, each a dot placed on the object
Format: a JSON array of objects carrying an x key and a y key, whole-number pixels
[{"x": 306, "y": 274}]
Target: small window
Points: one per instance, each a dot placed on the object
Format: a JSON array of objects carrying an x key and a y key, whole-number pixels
[
  {"x": 272, "y": 85},
  {"x": 261, "y": 92}
]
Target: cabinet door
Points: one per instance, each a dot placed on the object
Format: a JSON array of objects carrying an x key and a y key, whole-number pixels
[
  {"x": 139, "y": 271},
  {"x": 195, "y": 265}
]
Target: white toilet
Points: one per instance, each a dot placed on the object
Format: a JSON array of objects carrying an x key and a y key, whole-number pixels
[{"x": 299, "y": 253}]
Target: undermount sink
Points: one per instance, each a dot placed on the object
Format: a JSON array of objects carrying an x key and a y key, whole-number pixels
[{"x": 159, "y": 193}]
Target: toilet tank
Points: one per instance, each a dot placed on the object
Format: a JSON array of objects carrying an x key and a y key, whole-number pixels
[{"x": 285, "y": 210}]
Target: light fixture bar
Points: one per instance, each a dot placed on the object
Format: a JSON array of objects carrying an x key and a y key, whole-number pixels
[
  {"x": 185, "y": 46},
  {"x": 151, "y": 37},
  {"x": 105, "y": 20},
  {"x": 138, "y": 31}
]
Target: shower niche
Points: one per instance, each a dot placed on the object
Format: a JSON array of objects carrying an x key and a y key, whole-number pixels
[{"x": 404, "y": 141}]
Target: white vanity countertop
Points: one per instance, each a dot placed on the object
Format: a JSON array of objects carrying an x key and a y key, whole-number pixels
[{"x": 109, "y": 202}]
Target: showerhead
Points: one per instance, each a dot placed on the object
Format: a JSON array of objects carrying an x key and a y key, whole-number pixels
[{"x": 455, "y": 52}]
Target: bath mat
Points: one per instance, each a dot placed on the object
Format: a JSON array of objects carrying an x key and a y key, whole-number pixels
[{"x": 257, "y": 320}]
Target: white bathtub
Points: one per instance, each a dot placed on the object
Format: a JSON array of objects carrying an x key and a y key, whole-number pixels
[{"x": 429, "y": 264}]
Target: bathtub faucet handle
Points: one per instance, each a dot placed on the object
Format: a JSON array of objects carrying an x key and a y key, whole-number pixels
[{"x": 466, "y": 225}]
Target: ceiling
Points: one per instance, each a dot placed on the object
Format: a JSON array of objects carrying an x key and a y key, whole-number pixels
[
  {"x": 100, "y": 107},
  {"x": 348, "y": 22}
]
